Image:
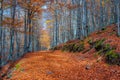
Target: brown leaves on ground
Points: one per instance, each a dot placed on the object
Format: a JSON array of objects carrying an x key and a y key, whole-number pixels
[{"x": 63, "y": 66}]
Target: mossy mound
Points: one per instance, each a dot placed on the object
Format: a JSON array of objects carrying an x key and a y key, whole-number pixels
[
  {"x": 105, "y": 50},
  {"x": 73, "y": 47}
]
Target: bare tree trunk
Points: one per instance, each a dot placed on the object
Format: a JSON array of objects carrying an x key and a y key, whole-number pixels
[
  {"x": 1, "y": 18},
  {"x": 12, "y": 31},
  {"x": 118, "y": 18}
]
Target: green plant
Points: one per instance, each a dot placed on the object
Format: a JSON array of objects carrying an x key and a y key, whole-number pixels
[
  {"x": 78, "y": 47},
  {"x": 70, "y": 47},
  {"x": 112, "y": 57},
  {"x": 90, "y": 41},
  {"x": 99, "y": 44},
  {"x": 106, "y": 50},
  {"x": 73, "y": 47},
  {"x": 81, "y": 47},
  {"x": 106, "y": 47},
  {"x": 17, "y": 66}
]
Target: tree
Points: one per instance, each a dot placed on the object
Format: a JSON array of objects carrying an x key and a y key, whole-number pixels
[
  {"x": 118, "y": 16},
  {"x": 1, "y": 18}
]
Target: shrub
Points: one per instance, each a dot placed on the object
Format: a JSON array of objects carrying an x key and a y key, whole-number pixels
[
  {"x": 70, "y": 47},
  {"x": 112, "y": 57},
  {"x": 90, "y": 41},
  {"x": 99, "y": 44},
  {"x": 106, "y": 48},
  {"x": 73, "y": 47},
  {"x": 81, "y": 47}
]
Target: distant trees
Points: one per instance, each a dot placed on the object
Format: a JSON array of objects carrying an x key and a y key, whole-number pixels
[{"x": 78, "y": 18}]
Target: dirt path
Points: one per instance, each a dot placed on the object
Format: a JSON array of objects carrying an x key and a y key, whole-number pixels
[{"x": 46, "y": 65}]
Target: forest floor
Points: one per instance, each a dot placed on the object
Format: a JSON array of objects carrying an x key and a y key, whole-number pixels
[{"x": 58, "y": 65}]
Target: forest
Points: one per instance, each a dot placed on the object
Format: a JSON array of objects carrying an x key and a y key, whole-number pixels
[{"x": 60, "y": 37}]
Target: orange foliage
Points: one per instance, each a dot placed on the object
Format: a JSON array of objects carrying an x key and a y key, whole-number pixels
[
  {"x": 45, "y": 39},
  {"x": 9, "y": 22}
]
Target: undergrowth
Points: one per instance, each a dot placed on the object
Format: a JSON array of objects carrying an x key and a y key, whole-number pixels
[
  {"x": 105, "y": 50},
  {"x": 74, "y": 47}
]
